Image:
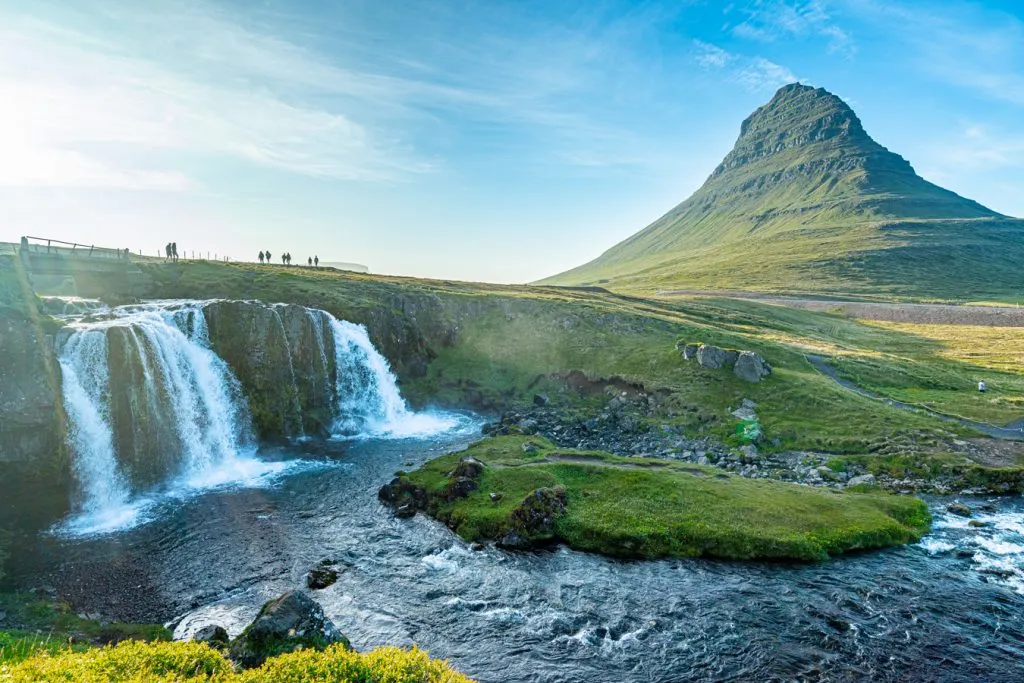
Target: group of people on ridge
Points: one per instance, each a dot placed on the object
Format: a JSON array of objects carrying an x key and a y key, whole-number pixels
[
  {"x": 286, "y": 259},
  {"x": 171, "y": 250}
]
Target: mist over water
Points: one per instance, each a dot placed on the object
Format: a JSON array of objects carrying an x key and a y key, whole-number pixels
[{"x": 180, "y": 403}]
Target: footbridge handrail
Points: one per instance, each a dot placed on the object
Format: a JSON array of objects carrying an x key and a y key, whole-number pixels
[{"x": 87, "y": 249}]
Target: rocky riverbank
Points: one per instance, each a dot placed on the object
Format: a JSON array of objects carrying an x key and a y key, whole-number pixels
[{"x": 628, "y": 425}]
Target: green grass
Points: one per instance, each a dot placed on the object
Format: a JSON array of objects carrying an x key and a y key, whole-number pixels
[
  {"x": 49, "y": 626},
  {"x": 138, "y": 662},
  {"x": 638, "y": 507}
]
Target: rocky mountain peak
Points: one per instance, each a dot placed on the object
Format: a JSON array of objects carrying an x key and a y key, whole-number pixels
[{"x": 798, "y": 115}]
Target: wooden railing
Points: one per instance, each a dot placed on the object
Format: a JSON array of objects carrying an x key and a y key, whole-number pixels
[{"x": 45, "y": 245}]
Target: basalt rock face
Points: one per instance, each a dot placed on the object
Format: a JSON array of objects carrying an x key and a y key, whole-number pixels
[
  {"x": 33, "y": 457},
  {"x": 284, "y": 358},
  {"x": 805, "y": 187}
]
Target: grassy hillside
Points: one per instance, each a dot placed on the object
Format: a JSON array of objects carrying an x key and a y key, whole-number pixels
[
  {"x": 495, "y": 346},
  {"x": 807, "y": 202}
]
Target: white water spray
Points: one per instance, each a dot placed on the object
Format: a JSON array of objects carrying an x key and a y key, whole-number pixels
[{"x": 368, "y": 400}]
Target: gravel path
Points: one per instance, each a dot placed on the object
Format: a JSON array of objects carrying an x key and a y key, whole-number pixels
[
  {"x": 1014, "y": 431},
  {"x": 927, "y": 314}
]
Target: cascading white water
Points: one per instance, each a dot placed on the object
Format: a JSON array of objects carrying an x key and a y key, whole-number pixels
[
  {"x": 182, "y": 419},
  {"x": 368, "y": 400},
  {"x": 186, "y": 385},
  {"x": 86, "y": 386}
]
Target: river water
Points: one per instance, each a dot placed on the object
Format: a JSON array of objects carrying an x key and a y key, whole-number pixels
[{"x": 915, "y": 613}]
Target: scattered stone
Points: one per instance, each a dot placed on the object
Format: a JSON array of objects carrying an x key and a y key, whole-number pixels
[
  {"x": 530, "y": 447},
  {"x": 749, "y": 451},
  {"x": 291, "y": 622},
  {"x": 213, "y": 635},
  {"x": 977, "y": 524},
  {"x": 496, "y": 497},
  {"x": 476, "y": 547},
  {"x": 751, "y": 367},
  {"x": 744, "y": 413},
  {"x": 324, "y": 577},
  {"x": 747, "y": 403},
  {"x": 540, "y": 399},
  {"x": 405, "y": 511},
  {"x": 862, "y": 480},
  {"x": 959, "y": 509},
  {"x": 468, "y": 467}
]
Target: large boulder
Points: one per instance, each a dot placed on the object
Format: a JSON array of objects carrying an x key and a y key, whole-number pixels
[
  {"x": 690, "y": 351},
  {"x": 713, "y": 358},
  {"x": 534, "y": 518},
  {"x": 292, "y": 622},
  {"x": 751, "y": 367}
]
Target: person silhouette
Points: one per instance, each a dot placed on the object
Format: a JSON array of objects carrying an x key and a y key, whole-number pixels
[
  {"x": 316, "y": 261},
  {"x": 261, "y": 257},
  {"x": 167, "y": 250},
  {"x": 309, "y": 261},
  {"x": 174, "y": 250},
  {"x": 268, "y": 258}
]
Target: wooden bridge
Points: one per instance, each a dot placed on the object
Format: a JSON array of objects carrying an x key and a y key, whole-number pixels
[{"x": 59, "y": 267}]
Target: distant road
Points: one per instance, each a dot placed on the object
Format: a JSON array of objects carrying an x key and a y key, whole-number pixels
[{"x": 928, "y": 314}]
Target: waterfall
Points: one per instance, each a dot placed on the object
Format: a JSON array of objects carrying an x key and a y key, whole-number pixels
[{"x": 156, "y": 407}]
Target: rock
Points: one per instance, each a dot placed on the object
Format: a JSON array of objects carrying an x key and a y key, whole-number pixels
[
  {"x": 540, "y": 399},
  {"x": 323, "y": 577},
  {"x": 534, "y": 517},
  {"x": 530, "y": 447},
  {"x": 862, "y": 480},
  {"x": 291, "y": 622},
  {"x": 744, "y": 413},
  {"x": 751, "y": 367},
  {"x": 460, "y": 487},
  {"x": 977, "y": 524},
  {"x": 749, "y": 451},
  {"x": 690, "y": 351},
  {"x": 496, "y": 497},
  {"x": 703, "y": 460},
  {"x": 712, "y": 357},
  {"x": 958, "y": 509},
  {"x": 747, "y": 403},
  {"x": 213, "y": 635},
  {"x": 400, "y": 492},
  {"x": 528, "y": 426},
  {"x": 405, "y": 511},
  {"x": 476, "y": 547},
  {"x": 468, "y": 467}
]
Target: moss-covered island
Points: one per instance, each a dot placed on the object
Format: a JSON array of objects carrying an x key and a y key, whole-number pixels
[{"x": 523, "y": 491}]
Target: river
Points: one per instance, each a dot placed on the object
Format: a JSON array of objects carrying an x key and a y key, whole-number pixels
[{"x": 212, "y": 548}]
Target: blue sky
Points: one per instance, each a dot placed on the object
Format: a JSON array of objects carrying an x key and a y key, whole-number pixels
[{"x": 467, "y": 139}]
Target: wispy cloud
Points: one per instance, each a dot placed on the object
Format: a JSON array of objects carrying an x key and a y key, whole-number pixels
[
  {"x": 756, "y": 74},
  {"x": 134, "y": 96},
  {"x": 773, "y": 20},
  {"x": 965, "y": 44},
  {"x": 979, "y": 148}
]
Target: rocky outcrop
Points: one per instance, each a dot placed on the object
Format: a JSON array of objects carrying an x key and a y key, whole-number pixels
[
  {"x": 33, "y": 455},
  {"x": 534, "y": 518},
  {"x": 746, "y": 365},
  {"x": 713, "y": 358},
  {"x": 751, "y": 367},
  {"x": 283, "y": 355},
  {"x": 291, "y": 622}
]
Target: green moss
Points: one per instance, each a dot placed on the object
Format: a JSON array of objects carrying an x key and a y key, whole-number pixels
[{"x": 639, "y": 507}]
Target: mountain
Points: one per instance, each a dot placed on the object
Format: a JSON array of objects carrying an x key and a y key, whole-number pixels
[{"x": 807, "y": 202}]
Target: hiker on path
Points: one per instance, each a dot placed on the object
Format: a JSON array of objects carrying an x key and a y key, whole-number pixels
[
  {"x": 981, "y": 386},
  {"x": 316, "y": 261},
  {"x": 268, "y": 258},
  {"x": 174, "y": 250},
  {"x": 167, "y": 250},
  {"x": 309, "y": 261},
  {"x": 261, "y": 257}
]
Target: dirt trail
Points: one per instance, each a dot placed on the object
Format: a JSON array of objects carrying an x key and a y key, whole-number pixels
[
  {"x": 927, "y": 314},
  {"x": 1012, "y": 432}
]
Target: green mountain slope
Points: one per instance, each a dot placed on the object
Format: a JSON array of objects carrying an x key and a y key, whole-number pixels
[{"x": 807, "y": 202}]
